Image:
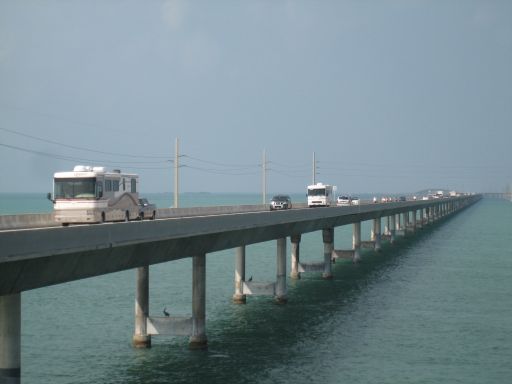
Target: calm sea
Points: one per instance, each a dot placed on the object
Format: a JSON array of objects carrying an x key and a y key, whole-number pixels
[{"x": 434, "y": 308}]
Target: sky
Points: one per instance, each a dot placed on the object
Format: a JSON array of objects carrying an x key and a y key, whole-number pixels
[{"x": 386, "y": 96}]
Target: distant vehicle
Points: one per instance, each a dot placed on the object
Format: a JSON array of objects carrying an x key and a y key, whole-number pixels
[
  {"x": 402, "y": 198},
  {"x": 343, "y": 201},
  {"x": 146, "y": 209},
  {"x": 374, "y": 199},
  {"x": 320, "y": 195},
  {"x": 280, "y": 202},
  {"x": 354, "y": 201},
  {"x": 93, "y": 195}
]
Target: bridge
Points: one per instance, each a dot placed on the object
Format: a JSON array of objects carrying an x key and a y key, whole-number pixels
[
  {"x": 35, "y": 253},
  {"x": 497, "y": 195}
]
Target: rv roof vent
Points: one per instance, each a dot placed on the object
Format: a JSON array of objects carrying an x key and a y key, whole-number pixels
[
  {"x": 98, "y": 169},
  {"x": 81, "y": 168},
  {"x": 116, "y": 170}
]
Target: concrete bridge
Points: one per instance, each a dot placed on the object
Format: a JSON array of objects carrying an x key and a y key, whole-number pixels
[
  {"x": 498, "y": 195},
  {"x": 35, "y": 253}
]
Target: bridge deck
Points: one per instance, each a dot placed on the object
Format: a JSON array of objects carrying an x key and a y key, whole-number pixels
[{"x": 33, "y": 258}]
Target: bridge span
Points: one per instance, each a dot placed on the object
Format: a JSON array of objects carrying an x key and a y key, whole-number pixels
[{"x": 31, "y": 258}]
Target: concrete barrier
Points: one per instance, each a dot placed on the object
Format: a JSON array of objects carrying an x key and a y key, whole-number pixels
[{"x": 29, "y": 220}]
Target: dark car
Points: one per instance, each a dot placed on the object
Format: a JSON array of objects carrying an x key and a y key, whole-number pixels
[
  {"x": 146, "y": 209},
  {"x": 280, "y": 202},
  {"x": 402, "y": 198}
]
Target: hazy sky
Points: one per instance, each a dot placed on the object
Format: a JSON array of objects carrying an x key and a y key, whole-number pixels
[{"x": 391, "y": 96}]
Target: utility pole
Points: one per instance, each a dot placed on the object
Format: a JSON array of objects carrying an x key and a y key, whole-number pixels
[
  {"x": 176, "y": 176},
  {"x": 264, "y": 177},
  {"x": 314, "y": 169}
]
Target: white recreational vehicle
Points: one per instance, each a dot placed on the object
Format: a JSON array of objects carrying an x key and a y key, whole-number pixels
[
  {"x": 320, "y": 195},
  {"x": 93, "y": 195}
]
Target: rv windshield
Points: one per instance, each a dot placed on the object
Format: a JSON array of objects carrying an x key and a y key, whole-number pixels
[
  {"x": 75, "y": 188},
  {"x": 316, "y": 192}
]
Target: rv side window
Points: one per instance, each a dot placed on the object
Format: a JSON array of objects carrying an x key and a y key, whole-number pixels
[
  {"x": 108, "y": 185},
  {"x": 115, "y": 185},
  {"x": 124, "y": 184},
  {"x": 134, "y": 185},
  {"x": 99, "y": 189}
]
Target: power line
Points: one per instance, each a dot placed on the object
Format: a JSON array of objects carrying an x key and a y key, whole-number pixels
[
  {"x": 220, "y": 171},
  {"x": 79, "y": 159},
  {"x": 164, "y": 158},
  {"x": 221, "y": 164}
]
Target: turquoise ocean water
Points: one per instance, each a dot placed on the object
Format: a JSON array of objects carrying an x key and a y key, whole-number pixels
[{"x": 434, "y": 308}]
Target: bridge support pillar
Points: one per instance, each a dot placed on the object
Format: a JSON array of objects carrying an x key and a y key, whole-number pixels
[
  {"x": 387, "y": 227},
  {"x": 356, "y": 241},
  {"x": 328, "y": 238},
  {"x": 376, "y": 234},
  {"x": 295, "y": 256},
  {"x": 281, "y": 291},
  {"x": 141, "y": 339},
  {"x": 392, "y": 228},
  {"x": 414, "y": 222},
  {"x": 198, "y": 338},
  {"x": 10, "y": 339},
  {"x": 239, "y": 297}
]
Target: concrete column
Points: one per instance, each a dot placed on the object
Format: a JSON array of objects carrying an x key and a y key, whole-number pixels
[
  {"x": 295, "y": 240},
  {"x": 328, "y": 238},
  {"x": 387, "y": 226},
  {"x": 198, "y": 338},
  {"x": 397, "y": 222},
  {"x": 376, "y": 234},
  {"x": 281, "y": 291},
  {"x": 372, "y": 231},
  {"x": 356, "y": 241},
  {"x": 141, "y": 339},
  {"x": 239, "y": 297},
  {"x": 392, "y": 226},
  {"x": 414, "y": 223},
  {"x": 10, "y": 339},
  {"x": 406, "y": 219}
]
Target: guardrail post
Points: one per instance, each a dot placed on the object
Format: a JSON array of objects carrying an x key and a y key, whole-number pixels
[
  {"x": 239, "y": 297},
  {"x": 198, "y": 338},
  {"x": 328, "y": 239},
  {"x": 10, "y": 339},
  {"x": 281, "y": 291},
  {"x": 295, "y": 256},
  {"x": 141, "y": 339}
]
